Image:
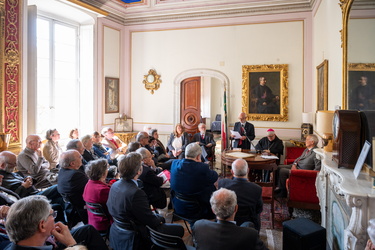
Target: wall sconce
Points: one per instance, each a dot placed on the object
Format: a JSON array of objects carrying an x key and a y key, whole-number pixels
[{"x": 152, "y": 81}]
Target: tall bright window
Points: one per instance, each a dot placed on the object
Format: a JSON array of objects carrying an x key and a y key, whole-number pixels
[{"x": 58, "y": 88}]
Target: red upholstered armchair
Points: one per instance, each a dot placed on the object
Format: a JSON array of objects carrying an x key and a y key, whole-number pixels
[
  {"x": 302, "y": 190},
  {"x": 292, "y": 153}
]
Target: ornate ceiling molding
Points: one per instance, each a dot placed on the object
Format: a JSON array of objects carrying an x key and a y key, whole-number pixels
[{"x": 151, "y": 12}]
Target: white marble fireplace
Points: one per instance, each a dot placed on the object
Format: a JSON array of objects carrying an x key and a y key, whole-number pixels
[{"x": 346, "y": 204}]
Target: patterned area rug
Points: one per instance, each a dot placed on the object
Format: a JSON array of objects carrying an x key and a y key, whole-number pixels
[{"x": 272, "y": 238}]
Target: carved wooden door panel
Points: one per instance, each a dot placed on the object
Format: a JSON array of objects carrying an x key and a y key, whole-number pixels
[{"x": 191, "y": 104}]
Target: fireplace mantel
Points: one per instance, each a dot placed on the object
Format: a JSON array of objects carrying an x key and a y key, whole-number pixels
[{"x": 346, "y": 204}]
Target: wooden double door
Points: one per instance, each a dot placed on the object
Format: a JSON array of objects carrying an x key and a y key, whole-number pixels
[{"x": 190, "y": 108}]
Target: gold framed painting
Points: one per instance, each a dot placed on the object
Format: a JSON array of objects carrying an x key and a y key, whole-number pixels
[
  {"x": 112, "y": 101},
  {"x": 322, "y": 85},
  {"x": 361, "y": 86},
  {"x": 265, "y": 92}
]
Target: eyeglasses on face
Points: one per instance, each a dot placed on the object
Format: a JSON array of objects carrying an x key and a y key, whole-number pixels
[{"x": 53, "y": 214}]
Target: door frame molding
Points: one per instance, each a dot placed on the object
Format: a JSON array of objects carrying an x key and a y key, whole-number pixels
[{"x": 194, "y": 73}]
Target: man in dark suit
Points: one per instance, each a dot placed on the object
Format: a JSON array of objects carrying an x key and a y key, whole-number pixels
[
  {"x": 307, "y": 161},
  {"x": 21, "y": 185},
  {"x": 7, "y": 197},
  {"x": 246, "y": 130},
  {"x": 206, "y": 141},
  {"x": 249, "y": 195},
  {"x": 76, "y": 144},
  {"x": 192, "y": 179},
  {"x": 225, "y": 234},
  {"x": 129, "y": 207},
  {"x": 72, "y": 181},
  {"x": 151, "y": 182}
]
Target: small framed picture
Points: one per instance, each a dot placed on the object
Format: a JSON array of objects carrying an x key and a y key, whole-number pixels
[
  {"x": 122, "y": 125},
  {"x": 112, "y": 102}
]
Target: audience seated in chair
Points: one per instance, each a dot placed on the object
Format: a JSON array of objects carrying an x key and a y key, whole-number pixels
[
  {"x": 308, "y": 161},
  {"x": 249, "y": 195},
  {"x": 71, "y": 184},
  {"x": 88, "y": 153},
  {"x": 206, "y": 141},
  {"x": 30, "y": 222},
  {"x": 224, "y": 233},
  {"x": 192, "y": 179},
  {"x": 99, "y": 150},
  {"x": 130, "y": 209},
  {"x": 144, "y": 140},
  {"x": 151, "y": 182},
  {"x": 97, "y": 191},
  {"x": 76, "y": 144},
  {"x": 177, "y": 142},
  {"x": 31, "y": 162},
  {"x": 112, "y": 143},
  {"x": 133, "y": 146},
  {"x": 51, "y": 149},
  {"x": 23, "y": 186},
  {"x": 162, "y": 152}
]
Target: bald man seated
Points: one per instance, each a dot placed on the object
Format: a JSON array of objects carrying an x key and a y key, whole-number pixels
[
  {"x": 31, "y": 162},
  {"x": 224, "y": 233},
  {"x": 23, "y": 185},
  {"x": 249, "y": 195}
]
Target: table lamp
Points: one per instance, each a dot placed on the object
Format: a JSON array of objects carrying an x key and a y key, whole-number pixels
[{"x": 324, "y": 128}]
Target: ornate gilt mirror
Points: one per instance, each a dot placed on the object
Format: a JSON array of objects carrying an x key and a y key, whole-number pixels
[
  {"x": 152, "y": 81},
  {"x": 358, "y": 19}
]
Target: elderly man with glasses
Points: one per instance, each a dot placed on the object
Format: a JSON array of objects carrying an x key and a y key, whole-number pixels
[{"x": 30, "y": 222}]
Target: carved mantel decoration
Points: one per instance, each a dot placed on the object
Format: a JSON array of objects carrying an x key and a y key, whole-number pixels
[
  {"x": 10, "y": 61},
  {"x": 356, "y": 201},
  {"x": 152, "y": 81}
]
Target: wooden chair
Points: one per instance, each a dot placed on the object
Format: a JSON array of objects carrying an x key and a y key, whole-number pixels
[{"x": 268, "y": 188}]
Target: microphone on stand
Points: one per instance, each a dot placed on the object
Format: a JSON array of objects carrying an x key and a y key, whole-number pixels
[{"x": 243, "y": 126}]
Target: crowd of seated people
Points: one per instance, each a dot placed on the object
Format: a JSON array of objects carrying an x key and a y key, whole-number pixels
[
  {"x": 51, "y": 149},
  {"x": 178, "y": 140},
  {"x": 127, "y": 201}
]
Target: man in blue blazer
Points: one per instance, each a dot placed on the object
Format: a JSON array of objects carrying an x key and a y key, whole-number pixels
[
  {"x": 249, "y": 195},
  {"x": 192, "y": 179},
  {"x": 246, "y": 130},
  {"x": 225, "y": 234}
]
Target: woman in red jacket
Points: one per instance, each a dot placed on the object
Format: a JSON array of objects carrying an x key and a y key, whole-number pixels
[{"x": 97, "y": 191}]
